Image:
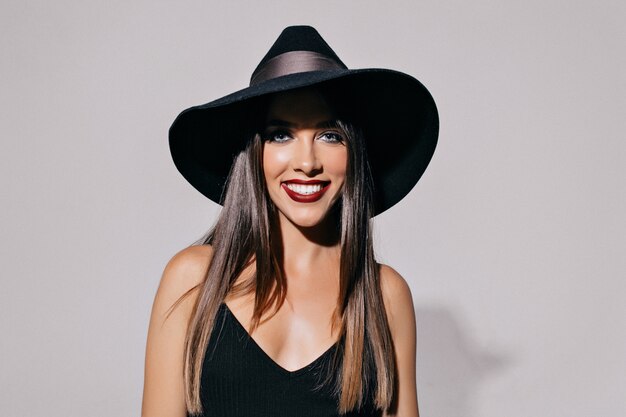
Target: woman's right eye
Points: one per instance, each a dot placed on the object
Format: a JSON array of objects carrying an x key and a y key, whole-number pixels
[{"x": 278, "y": 136}]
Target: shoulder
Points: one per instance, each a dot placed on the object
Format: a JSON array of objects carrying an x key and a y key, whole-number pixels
[
  {"x": 184, "y": 273},
  {"x": 189, "y": 260},
  {"x": 186, "y": 269},
  {"x": 401, "y": 318},
  {"x": 165, "y": 346},
  {"x": 392, "y": 283},
  {"x": 397, "y": 298}
]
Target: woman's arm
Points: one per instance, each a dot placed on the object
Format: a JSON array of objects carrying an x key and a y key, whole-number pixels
[
  {"x": 401, "y": 316},
  {"x": 163, "y": 390}
]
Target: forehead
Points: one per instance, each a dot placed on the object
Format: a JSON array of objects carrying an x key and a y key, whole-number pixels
[{"x": 299, "y": 107}]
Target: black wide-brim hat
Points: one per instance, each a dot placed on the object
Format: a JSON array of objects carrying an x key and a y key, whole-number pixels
[{"x": 396, "y": 113}]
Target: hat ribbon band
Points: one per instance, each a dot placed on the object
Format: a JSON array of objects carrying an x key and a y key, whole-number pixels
[{"x": 293, "y": 62}]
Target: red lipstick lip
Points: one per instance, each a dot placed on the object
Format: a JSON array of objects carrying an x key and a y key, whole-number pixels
[
  {"x": 297, "y": 181},
  {"x": 309, "y": 198}
]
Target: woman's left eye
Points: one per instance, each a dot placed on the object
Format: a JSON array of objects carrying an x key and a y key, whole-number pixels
[{"x": 331, "y": 137}]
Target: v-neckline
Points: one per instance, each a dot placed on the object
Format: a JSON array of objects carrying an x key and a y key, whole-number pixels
[{"x": 268, "y": 358}]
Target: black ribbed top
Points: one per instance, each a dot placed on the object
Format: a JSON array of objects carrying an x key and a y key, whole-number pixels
[{"x": 240, "y": 380}]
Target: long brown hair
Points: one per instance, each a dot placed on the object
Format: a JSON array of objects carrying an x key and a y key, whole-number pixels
[{"x": 242, "y": 236}]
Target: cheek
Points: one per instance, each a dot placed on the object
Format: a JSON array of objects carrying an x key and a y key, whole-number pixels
[
  {"x": 275, "y": 159},
  {"x": 337, "y": 163}
]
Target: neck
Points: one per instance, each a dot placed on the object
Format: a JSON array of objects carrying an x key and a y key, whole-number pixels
[{"x": 302, "y": 249}]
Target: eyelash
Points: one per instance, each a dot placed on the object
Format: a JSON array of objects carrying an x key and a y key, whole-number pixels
[
  {"x": 337, "y": 137},
  {"x": 271, "y": 136}
]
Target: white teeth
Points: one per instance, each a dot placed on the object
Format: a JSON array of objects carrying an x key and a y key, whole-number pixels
[{"x": 304, "y": 189}]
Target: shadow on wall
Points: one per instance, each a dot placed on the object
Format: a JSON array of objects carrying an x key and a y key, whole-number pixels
[{"x": 450, "y": 367}]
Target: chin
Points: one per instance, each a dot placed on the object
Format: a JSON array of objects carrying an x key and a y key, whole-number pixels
[
  {"x": 306, "y": 221},
  {"x": 305, "y": 218}
]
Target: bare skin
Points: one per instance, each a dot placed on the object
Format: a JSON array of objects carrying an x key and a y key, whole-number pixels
[
  {"x": 301, "y": 330},
  {"x": 163, "y": 393},
  {"x": 300, "y": 148}
]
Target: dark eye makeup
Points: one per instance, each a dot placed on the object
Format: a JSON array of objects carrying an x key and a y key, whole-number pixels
[
  {"x": 276, "y": 135},
  {"x": 332, "y": 137},
  {"x": 282, "y": 135}
]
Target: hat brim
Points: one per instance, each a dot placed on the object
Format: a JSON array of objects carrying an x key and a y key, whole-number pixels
[{"x": 396, "y": 113}]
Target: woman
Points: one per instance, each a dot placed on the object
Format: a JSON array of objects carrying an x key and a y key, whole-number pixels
[{"x": 283, "y": 310}]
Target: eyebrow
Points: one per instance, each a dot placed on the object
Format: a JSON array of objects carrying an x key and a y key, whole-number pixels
[{"x": 285, "y": 123}]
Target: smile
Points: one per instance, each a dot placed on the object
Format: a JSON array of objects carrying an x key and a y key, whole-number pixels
[{"x": 305, "y": 191}]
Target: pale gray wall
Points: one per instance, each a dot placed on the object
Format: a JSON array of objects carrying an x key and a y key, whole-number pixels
[{"x": 513, "y": 242}]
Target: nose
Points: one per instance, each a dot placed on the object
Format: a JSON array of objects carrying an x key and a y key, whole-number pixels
[{"x": 306, "y": 158}]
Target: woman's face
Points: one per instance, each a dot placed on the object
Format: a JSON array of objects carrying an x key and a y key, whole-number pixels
[{"x": 304, "y": 157}]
